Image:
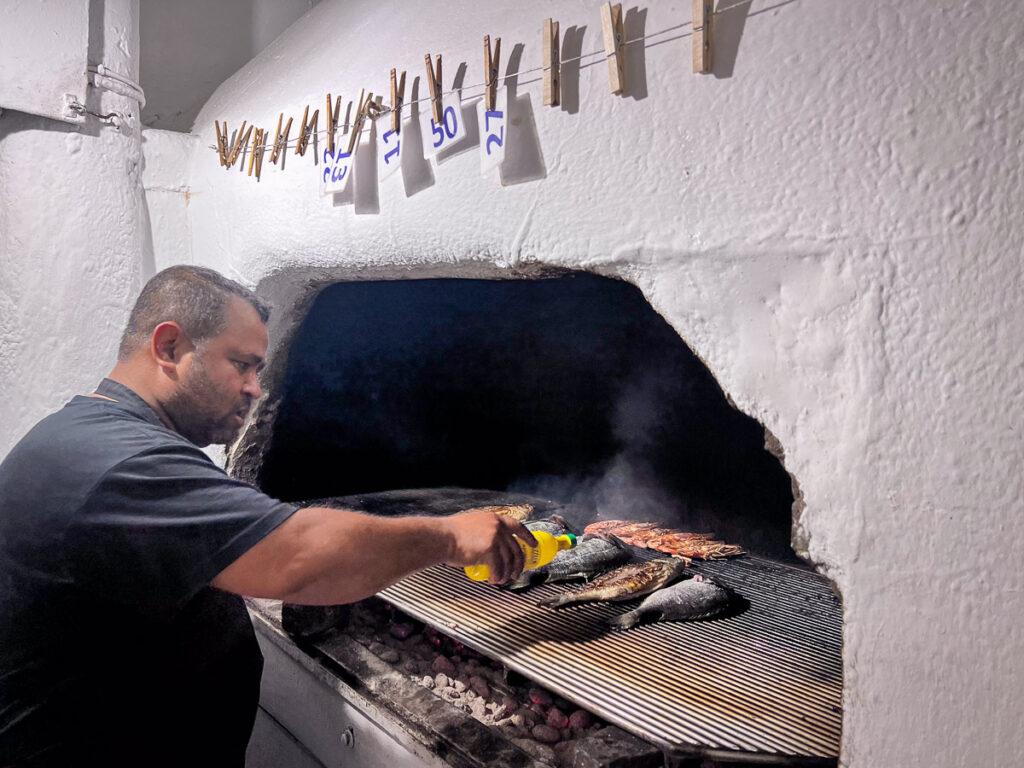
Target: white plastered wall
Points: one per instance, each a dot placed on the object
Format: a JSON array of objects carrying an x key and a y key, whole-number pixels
[
  {"x": 71, "y": 212},
  {"x": 831, "y": 220}
]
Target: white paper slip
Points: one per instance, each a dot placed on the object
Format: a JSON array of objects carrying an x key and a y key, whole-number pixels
[
  {"x": 450, "y": 131},
  {"x": 492, "y": 130},
  {"x": 336, "y": 170},
  {"x": 389, "y": 148}
]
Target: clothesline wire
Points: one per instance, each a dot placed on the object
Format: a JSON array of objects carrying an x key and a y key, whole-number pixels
[{"x": 291, "y": 143}]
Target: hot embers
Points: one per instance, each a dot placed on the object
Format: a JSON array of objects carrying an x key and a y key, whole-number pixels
[{"x": 533, "y": 718}]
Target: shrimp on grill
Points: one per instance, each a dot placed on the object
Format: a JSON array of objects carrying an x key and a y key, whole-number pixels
[{"x": 702, "y": 546}]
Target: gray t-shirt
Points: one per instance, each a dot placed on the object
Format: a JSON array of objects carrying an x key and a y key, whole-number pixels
[{"x": 114, "y": 649}]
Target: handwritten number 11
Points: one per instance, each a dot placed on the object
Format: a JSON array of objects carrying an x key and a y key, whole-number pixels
[{"x": 393, "y": 152}]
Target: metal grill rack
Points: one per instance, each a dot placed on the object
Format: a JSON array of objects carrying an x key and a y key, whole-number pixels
[{"x": 765, "y": 682}]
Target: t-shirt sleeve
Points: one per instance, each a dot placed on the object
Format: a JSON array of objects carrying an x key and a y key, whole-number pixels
[{"x": 160, "y": 525}]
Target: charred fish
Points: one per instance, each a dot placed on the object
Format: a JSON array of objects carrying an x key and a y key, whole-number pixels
[
  {"x": 690, "y": 600},
  {"x": 625, "y": 583},
  {"x": 556, "y": 525},
  {"x": 591, "y": 555}
]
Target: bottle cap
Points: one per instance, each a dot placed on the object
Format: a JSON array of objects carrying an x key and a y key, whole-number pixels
[{"x": 572, "y": 539}]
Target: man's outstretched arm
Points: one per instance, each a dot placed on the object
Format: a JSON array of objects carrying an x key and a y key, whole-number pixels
[{"x": 322, "y": 556}]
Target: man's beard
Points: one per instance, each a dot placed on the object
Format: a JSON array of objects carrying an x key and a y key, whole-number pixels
[{"x": 192, "y": 409}]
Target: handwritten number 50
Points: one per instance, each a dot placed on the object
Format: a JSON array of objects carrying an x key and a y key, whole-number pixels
[{"x": 450, "y": 130}]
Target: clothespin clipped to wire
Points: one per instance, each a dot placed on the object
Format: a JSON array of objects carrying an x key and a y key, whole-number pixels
[
  {"x": 491, "y": 67},
  {"x": 434, "y": 84},
  {"x": 257, "y": 146},
  {"x": 306, "y": 131},
  {"x": 229, "y": 148},
  {"x": 280, "y": 139},
  {"x": 549, "y": 48},
  {"x": 397, "y": 97},
  {"x": 332, "y": 121},
  {"x": 240, "y": 142},
  {"x": 260, "y": 147},
  {"x": 611, "y": 23},
  {"x": 367, "y": 108},
  {"x": 222, "y": 144},
  {"x": 703, "y": 11}
]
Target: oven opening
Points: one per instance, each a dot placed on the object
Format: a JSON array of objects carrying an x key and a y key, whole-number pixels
[
  {"x": 571, "y": 387},
  {"x": 569, "y": 393}
]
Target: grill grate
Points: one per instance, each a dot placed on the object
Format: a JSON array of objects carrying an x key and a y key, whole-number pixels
[{"x": 767, "y": 680}]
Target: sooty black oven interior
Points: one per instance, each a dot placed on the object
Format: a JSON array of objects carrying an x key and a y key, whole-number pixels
[{"x": 571, "y": 387}]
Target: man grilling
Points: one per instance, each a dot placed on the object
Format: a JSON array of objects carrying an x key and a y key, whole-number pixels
[{"x": 124, "y": 549}]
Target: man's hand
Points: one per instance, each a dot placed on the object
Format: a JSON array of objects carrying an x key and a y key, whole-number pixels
[{"x": 484, "y": 538}]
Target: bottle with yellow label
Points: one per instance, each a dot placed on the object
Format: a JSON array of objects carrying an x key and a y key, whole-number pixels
[{"x": 547, "y": 547}]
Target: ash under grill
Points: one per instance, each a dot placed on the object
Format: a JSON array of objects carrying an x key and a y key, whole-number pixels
[{"x": 764, "y": 683}]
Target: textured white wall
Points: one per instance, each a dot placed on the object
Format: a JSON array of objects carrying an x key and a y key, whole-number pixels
[
  {"x": 43, "y": 50},
  {"x": 831, "y": 221},
  {"x": 70, "y": 238},
  {"x": 168, "y": 239}
]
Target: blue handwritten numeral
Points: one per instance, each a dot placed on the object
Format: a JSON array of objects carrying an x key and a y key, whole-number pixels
[
  {"x": 492, "y": 138},
  {"x": 333, "y": 164},
  {"x": 455, "y": 124},
  {"x": 335, "y": 176},
  {"x": 451, "y": 130},
  {"x": 393, "y": 152}
]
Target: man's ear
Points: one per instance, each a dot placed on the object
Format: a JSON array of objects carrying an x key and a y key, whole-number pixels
[{"x": 169, "y": 345}]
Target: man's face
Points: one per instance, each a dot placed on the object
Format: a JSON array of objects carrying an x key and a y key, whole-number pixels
[{"x": 220, "y": 384}]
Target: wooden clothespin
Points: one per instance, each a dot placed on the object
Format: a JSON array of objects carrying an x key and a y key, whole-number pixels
[
  {"x": 434, "y": 83},
  {"x": 280, "y": 139},
  {"x": 299, "y": 148},
  {"x": 257, "y": 146},
  {"x": 703, "y": 11},
  {"x": 397, "y": 97},
  {"x": 222, "y": 150},
  {"x": 611, "y": 22},
  {"x": 552, "y": 90},
  {"x": 491, "y": 67},
  {"x": 306, "y": 131},
  {"x": 277, "y": 135},
  {"x": 332, "y": 121},
  {"x": 240, "y": 143},
  {"x": 260, "y": 148},
  {"x": 229, "y": 149},
  {"x": 362, "y": 110}
]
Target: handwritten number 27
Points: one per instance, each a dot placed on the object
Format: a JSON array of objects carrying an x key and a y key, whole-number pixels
[
  {"x": 393, "y": 152},
  {"x": 492, "y": 138}
]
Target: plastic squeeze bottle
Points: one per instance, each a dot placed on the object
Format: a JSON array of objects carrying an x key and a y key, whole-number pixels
[{"x": 547, "y": 547}]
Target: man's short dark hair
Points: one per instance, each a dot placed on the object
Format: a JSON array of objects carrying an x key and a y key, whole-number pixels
[{"x": 196, "y": 298}]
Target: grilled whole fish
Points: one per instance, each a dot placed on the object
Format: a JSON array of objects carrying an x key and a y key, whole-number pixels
[
  {"x": 690, "y": 600},
  {"x": 591, "y": 556},
  {"x": 555, "y": 525},
  {"x": 625, "y": 583}
]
